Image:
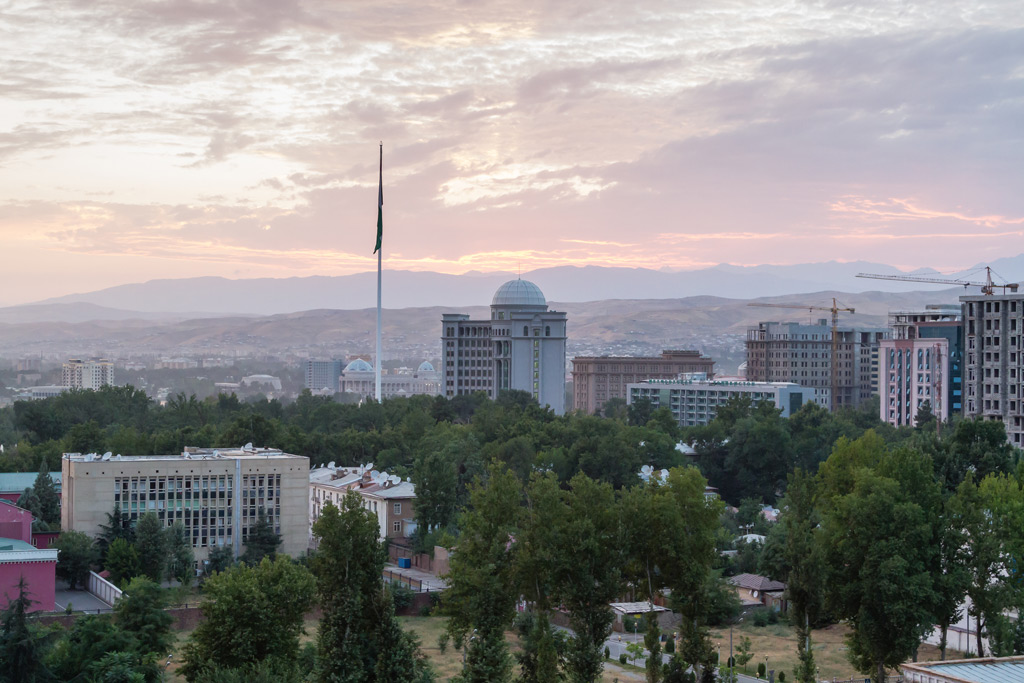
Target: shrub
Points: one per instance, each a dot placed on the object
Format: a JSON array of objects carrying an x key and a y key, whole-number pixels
[
  {"x": 623, "y": 658},
  {"x": 670, "y": 646},
  {"x": 607, "y": 653},
  {"x": 782, "y": 677},
  {"x": 760, "y": 618},
  {"x": 402, "y": 595},
  {"x": 761, "y": 670}
]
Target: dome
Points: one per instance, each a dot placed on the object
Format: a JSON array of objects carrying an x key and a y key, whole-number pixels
[
  {"x": 519, "y": 293},
  {"x": 425, "y": 366},
  {"x": 359, "y": 365}
]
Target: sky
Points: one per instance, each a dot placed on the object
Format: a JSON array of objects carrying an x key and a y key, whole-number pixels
[{"x": 144, "y": 139}]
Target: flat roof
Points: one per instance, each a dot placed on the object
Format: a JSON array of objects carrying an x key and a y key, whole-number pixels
[
  {"x": 190, "y": 453},
  {"x": 988, "y": 670},
  {"x": 16, "y": 482}
]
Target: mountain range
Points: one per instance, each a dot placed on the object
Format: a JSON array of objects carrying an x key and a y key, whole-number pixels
[{"x": 205, "y": 296}]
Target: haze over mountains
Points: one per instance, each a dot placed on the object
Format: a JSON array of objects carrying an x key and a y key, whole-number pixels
[{"x": 194, "y": 297}]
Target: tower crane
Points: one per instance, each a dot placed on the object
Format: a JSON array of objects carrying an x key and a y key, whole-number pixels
[
  {"x": 834, "y": 363},
  {"x": 988, "y": 287}
]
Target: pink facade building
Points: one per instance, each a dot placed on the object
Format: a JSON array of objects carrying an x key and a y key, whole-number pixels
[
  {"x": 911, "y": 372},
  {"x": 20, "y": 559}
]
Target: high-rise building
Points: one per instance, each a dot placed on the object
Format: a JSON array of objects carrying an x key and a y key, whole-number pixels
[
  {"x": 595, "y": 379},
  {"x": 216, "y": 493},
  {"x": 922, "y": 362},
  {"x": 87, "y": 374},
  {"x": 799, "y": 353},
  {"x": 993, "y": 362},
  {"x": 323, "y": 374},
  {"x": 521, "y": 347}
]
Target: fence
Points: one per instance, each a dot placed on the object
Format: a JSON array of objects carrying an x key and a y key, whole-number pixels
[
  {"x": 394, "y": 577},
  {"x": 103, "y": 589}
]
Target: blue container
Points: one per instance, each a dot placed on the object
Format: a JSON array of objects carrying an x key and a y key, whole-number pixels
[{"x": 405, "y": 563}]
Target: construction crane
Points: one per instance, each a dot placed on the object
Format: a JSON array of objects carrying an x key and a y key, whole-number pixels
[
  {"x": 988, "y": 287},
  {"x": 834, "y": 309}
]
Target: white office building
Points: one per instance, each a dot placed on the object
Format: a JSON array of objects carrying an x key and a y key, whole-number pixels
[
  {"x": 87, "y": 374},
  {"x": 696, "y": 401}
]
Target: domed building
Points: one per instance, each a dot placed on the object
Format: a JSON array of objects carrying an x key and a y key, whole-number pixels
[
  {"x": 359, "y": 377},
  {"x": 521, "y": 347}
]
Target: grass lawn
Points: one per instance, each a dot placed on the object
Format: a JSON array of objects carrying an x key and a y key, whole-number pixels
[{"x": 778, "y": 642}]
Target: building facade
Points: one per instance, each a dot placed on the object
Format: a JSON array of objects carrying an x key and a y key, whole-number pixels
[
  {"x": 595, "y": 379},
  {"x": 799, "y": 353},
  {"x": 216, "y": 493},
  {"x": 696, "y": 402},
  {"x": 522, "y": 347},
  {"x": 323, "y": 374},
  {"x": 87, "y": 374},
  {"x": 390, "y": 499},
  {"x": 993, "y": 363},
  {"x": 21, "y": 560},
  {"x": 915, "y": 371}
]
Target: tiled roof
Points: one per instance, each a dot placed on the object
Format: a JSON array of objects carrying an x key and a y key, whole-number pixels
[{"x": 756, "y": 582}]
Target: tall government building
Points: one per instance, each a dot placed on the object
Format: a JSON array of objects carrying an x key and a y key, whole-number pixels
[{"x": 521, "y": 347}]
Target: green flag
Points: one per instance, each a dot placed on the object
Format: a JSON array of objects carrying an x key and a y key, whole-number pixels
[{"x": 380, "y": 202}]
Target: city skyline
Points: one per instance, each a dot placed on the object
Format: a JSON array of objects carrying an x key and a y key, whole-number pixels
[{"x": 178, "y": 139}]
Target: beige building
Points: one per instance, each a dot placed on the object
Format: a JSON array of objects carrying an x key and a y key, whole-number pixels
[
  {"x": 87, "y": 374},
  {"x": 595, "y": 379},
  {"x": 215, "y": 493},
  {"x": 389, "y": 498}
]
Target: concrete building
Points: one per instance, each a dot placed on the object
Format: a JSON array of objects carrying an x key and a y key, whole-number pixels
[
  {"x": 937, "y": 321},
  {"x": 39, "y": 393},
  {"x": 795, "y": 352},
  {"x": 87, "y": 374},
  {"x": 994, "y": 360},
  {"x": 595, "y": 379},
  {"x": 695, "y": 402},
  {"x": 323, "y": 374},
  {"x": 215, "y": 493},
  {"x": 389, "y": 498},
  {"x": 979, "y": 670},
  {"x": 261, "y": 382},
  {"x": 522, "y": 347},
  {"x": 359, "y": 377}
]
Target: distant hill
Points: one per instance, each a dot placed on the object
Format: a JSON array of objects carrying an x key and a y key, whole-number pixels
[
  {"x": 84, "y": 312},
  {"x": 407, "y": 289},
  {"x": 619, "y": 325}
]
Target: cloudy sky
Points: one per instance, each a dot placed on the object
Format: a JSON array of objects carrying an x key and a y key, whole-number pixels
[{"x": 173, "y": 138}]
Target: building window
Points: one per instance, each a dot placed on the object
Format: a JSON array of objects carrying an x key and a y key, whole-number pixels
[
  {"x": 398, "y": 508},
  {"x": 397, "y": 527}
]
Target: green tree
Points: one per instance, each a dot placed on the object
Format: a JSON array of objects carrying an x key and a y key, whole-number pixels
[
  {"x": 151, "y": 544},
  {"x": 119, "y": 525},
  {"x": 744, "y": 653},
  {"x": 122, "y": 561},
  {"x": 589, "y": 577},
  {"x": 77, "y": 553},
  {"x": 802, "y": 566},
  {"x": 616, "y": 409},
  {"x": 22, "y": 645},
  {"x": 49, "y": 499},
  {"x": 78, "y": 654},
  {"x": 251, "y": 614},
  {"x": 925, "y": 418},
  {"x": 140, "y": 611},
  {"x": 180, "y": 557},
  {"x": 219, "y": 559},
  {"x": 28, "y": 500},
  {"x": 262, "y": 540},
  {"x": 481, "y": 594},
  {"x": 437, "y": 481},
  {"x": 880, "y": 562},
  {"x": 652, "y": 641},
  {"x": 976, "y": 446}
]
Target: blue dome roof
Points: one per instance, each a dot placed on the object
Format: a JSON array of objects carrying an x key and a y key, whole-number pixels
[
  {"x": 359, "y": 365},
  {"x": 425, "y": 366},
  {"x": 519, "y": 293}
]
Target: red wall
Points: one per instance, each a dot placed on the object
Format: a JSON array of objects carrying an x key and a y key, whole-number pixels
[
  {"x": 15, "y": 523},
  {"x": 40, "y": 579}
]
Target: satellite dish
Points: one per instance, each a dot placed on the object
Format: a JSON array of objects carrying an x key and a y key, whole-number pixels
[
  {"x": 395, "y": 479},
  {"x": 106, "y": 456},
  {"x": 247, "y": 447},
  {"x": 753, "y": 593},
  {"x": 117, "y": 457},
  {"x": 330, "y": 465},
  {"x": 368, "y": 466}
]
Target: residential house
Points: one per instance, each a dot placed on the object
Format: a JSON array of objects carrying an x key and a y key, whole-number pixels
[{"x": 759, "y": 591}]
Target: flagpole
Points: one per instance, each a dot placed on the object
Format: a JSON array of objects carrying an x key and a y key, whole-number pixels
[{"x": 380, "y": 251}]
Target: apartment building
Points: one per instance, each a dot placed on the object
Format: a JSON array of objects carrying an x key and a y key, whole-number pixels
[
  {"x": 388, "y": 497},
  {"x": 993, "y": 363},
  {"x": 87, "y": 374},
  {"x": 802, "y": 354},
  {"x": 695, "y": 402}
]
